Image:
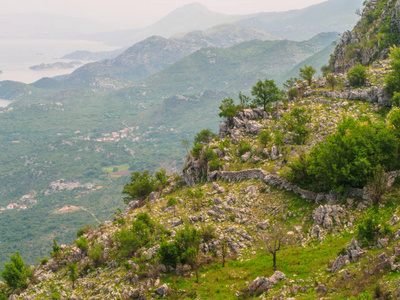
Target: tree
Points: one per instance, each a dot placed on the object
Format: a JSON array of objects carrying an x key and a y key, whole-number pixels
[
  {"x": 265, "y": 137},
  {"x": 15, "y": 274},
  {"x": 393, "y": 79},
  {"x": 244, "y": 100},
  {"x": 73, "y": 275},
  {"x": 290, "y": 82},
  {"x": 331, "y": 80},
  {"x": 140, "y": 187},
  {"x": 228, "y": 110},
  {"x": 307, "y": 73},
  {"x": 357, "y": 75},
  {"x": 161, "y": 178},
  {"x": 185, "y": 144},
  {"x": 378, "y": 184},
  {"x": 224, "y": 251},
  {"x": 204, "y": 136},
  {"x": 274, "y": 241},
  {"x": 265, "y": 93}
]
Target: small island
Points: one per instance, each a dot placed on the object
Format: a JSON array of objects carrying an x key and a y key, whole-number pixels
[{"x": 56, "y": 66}]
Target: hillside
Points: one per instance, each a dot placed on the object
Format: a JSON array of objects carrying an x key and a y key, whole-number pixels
[
  {"x": 204, "y": 234},
  {"x": 331, "y": 15},
  {"x": 155, "y": 54},
  {"x": 371, "y": 38}
]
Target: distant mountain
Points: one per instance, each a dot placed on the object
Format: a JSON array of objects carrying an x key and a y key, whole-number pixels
[
  {"x": 184, "y": 19},
  {"x": 88, "y": 55},
  {"x": 235, "y": 68},
  {"x": 331, "y": 15},
  {"x": 154, "y": 54}
]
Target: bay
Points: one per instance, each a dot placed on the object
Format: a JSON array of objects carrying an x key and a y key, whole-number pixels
[{"x": 17, "y": 55}]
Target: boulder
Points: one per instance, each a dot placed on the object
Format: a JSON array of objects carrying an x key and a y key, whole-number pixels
[
  {"x": 162, "y": 290},
  {"x": 253, "y": 127},
  {"x": 263, "y": 225},
  {"x": 246, "y": 156},
  {"x": 261, "y": 284}
]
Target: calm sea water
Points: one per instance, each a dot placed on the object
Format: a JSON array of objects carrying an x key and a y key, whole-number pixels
[
  {"x": 4, "y": 103},
  {"x": 16, "y": 56}
]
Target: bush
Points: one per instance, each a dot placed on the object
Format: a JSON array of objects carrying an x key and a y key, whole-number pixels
[
  {"x": 293, "y": 93},
  {"x": 208, "y": 233},
  {"x": 138, "y": 235},
  {"x": 181, "y": 249},
  {"x": 196, "y": 151},
  {"x": 244, "y": 147},
  {"x": 394, "y": 119},
  {"x": 228, "y": 108},
  {"x": 215, "y": 165},
  {"x": 357, "y": 76},
  {"x": 204, "y": 136},
  {"x": 265, "y": 137},
  {"x": 307, "y": 74},
  {"x": 393, "y": 79},
  {"x": 296, "y": 122},
  {"x": 140, "y": 187},
  {"x": 209, "y": 155},
  {"x": 171, "y": 202},
  {"x": 82, "y": 243},
  {"x": 348, "y": 157},
  {"x": 96, "y": 254},
  {"x": 83, "y": 231},
  {"x": 371, "y": 227},
  {"x": 16, "y": 274}
]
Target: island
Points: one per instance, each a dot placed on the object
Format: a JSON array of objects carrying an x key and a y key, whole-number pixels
[{"x": 56, "y": 66}]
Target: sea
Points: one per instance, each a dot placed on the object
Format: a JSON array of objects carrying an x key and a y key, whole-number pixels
[{"x": 17, "y": 55}]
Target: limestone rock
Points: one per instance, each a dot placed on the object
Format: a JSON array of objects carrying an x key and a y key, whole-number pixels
[
  {"x": 162, "y": 290},
  {"x": 263, "y": 284},
  {"x": 246, "y": 156}
]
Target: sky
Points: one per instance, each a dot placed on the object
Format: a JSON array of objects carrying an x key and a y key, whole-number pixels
[{"x": 140, "y": 13}]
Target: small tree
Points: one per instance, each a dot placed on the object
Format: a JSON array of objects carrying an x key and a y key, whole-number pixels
[
  {"x": 224, "y": 251},
  {"x": 73, "y": 275},
  {"x": 307, "y": 74},
  {"x": 393, "y": 79},
  {"x": 140, "y": 187},
  {"x": 244, "y": 100},
  {"x": 394, "y": 119},
  {"x": 161, "y": 178},
  {"x": 228, "y": 110},
  {"x": 274, "y": 241},
  {"x": 204, "y": 136},
  {"x": 15, "y": 274},
  {"x": 265, "y": 137},
  {"x": 332, "y": 81},
  {"x": 185, "y": 144},
  {"x": 265, "y": 93},
  {"x": 378, "y": 184},
  {"x": 290, "y": 82},
  {"x": 357, "y": 75}
]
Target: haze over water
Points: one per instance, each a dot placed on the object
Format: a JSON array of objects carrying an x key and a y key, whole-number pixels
[{"x": 17, "y": 55}]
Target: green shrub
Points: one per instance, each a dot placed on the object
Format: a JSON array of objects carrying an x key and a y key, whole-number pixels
[
  {"x": 393, "y": 78},
  {"x": 204, "y": 136},
  {"x": 171, "y": 202},
  {"x": 196, "y": 151},
  {"x": 96, "y": 254},
  {"x": 278, "y": 138},
  {"x": 15, "y": 273},
  {"x": 140, "y": 187},
  {"x": 348, "y": 157},
  {"x": 181, "y": 249},
  {"x": 83, "y": 230},
  {"x": 138, "y": 235},
  {"x": 265, "y": 137},
  {"x": 357, "y": 76},
  {"x": 232, "y": 217},
  {"x": 82, "y": 243},
  {"x": 371, "y": 227},
  {"x": 244, "y": 147},
  {"x": 215, "y": 165},
  {"x": 228, "y": 109},
  {"x": 293, "y": 93},
  {"x": 208, "y": 233},
  {"x": 209, "y": 155},
  {"x": 43, "y": 260}
]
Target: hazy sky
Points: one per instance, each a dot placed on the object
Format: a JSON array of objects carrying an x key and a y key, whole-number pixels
[{"x": 137, "y": 13}]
